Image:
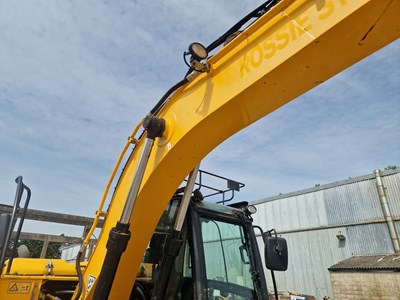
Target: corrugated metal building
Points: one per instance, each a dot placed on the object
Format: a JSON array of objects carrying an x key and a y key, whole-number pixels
[{"x": 329, "y": 223}]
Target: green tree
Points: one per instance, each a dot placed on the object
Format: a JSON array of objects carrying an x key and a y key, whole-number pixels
[
  {"x": 35, "y": 248},
  {"x": 391, "y": 167}
]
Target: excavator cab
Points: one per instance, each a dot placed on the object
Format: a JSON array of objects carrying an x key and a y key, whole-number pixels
[{"x": 218, "y": 259}]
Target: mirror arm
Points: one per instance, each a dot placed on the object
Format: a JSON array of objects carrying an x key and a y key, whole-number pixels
[
  {"x": 278, "y": 248},
  {"x": 264, "y": 237}
]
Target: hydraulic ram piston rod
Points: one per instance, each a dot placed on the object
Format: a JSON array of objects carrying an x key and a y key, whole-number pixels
[
  {"x": 120, "y": 234},
  {"x": 174, "y": 241}
]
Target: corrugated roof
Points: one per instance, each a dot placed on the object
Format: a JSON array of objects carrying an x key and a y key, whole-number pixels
[
  {"x": 379, "y": 262},
  {"x": 331, "y": 185}
]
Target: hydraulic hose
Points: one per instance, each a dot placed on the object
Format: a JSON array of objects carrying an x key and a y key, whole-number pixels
[
  {"x": 164, "y": 98},
  {"x": 254, "y": 14},
  {"x": 79, "y": 271},
  {"x": 99, "y": 212}
]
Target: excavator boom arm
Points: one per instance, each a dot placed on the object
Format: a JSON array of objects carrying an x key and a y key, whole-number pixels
[{"x": 289, "y": 50}]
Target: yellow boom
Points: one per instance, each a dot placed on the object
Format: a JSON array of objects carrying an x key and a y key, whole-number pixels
[{"x": 292, "y": 48}]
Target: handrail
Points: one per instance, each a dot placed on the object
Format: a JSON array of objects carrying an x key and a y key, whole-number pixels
[{"x": 18, "y": 196}]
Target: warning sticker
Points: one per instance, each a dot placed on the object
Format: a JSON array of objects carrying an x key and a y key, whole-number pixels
[
  {"x": 90, "y": 283},
  {"x": 19, "y": 287}
]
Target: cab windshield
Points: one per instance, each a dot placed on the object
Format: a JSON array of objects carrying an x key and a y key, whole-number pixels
[
  {"x": 226, "y": 260},
  {"x": 226, "y": 264}
]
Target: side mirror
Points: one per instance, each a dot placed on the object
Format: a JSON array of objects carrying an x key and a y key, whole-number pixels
[{"x": 276, "y": 252}]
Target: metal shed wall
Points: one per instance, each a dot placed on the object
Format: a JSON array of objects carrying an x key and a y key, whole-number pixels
[
  {"x": 311, "y": 219},
  {"x": 392, "y": 184}
]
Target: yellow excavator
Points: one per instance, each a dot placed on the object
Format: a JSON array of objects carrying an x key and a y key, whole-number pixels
[{"x": 160, "y": 241}]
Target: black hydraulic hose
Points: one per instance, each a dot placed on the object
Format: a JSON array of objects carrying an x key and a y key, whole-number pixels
[
  {"x": 164, "y": 98},
  {"x": 79, "y": 272},
  {"x": 254, "y": 14}
]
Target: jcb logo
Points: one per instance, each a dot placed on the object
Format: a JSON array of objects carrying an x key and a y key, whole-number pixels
[{"x": 91, "y": 280}]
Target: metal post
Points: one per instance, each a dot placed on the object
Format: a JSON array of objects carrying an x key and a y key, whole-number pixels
[
  {"x": 17, "y": 199},
  {"x": 180, "y": 218},
  {"x": 18, "y": 195},
  {"x": 21, "y": 222},
  {"x": 44, "y": 248},
  {"x": 386, "y": 211},
  {"x": 174, "y": 241},
  {"x": 89, "y": 251}
]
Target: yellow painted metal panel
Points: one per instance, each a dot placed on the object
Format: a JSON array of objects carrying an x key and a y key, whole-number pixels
[
  {"x": 37, "y": 266},
  {"x": 28, "y": 274},
  {"x": 19, "y": 288}
]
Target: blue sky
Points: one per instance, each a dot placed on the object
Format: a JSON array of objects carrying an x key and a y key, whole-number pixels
[{"x": 76, "y": 77}]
